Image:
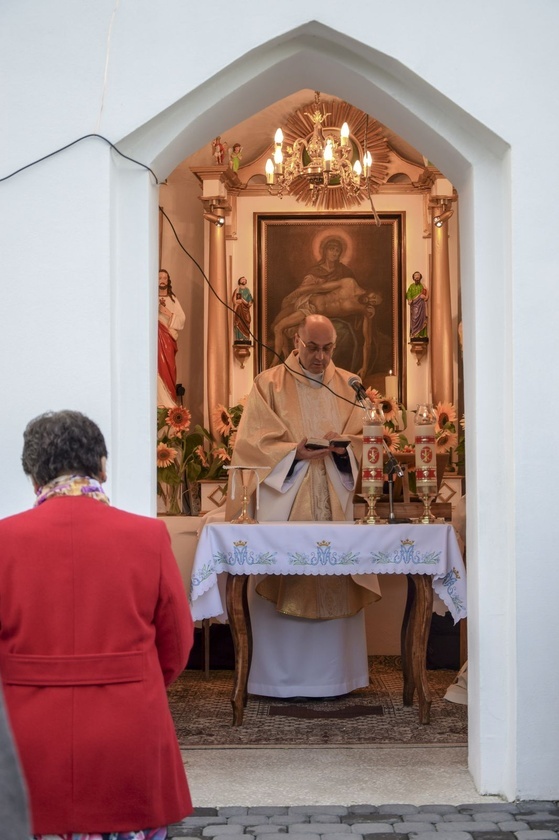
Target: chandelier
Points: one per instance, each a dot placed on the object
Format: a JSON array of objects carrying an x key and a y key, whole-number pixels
[{"x": 319, "y": 161}]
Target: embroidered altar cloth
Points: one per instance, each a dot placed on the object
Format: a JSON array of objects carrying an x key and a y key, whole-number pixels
[{"x": 326, "y": 548}]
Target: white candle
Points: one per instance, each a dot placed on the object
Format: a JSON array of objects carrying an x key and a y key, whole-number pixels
[
  {"x": 372, "y": 475},
  {"x": 425, "y": 459},
  {"x": 391, "y": 386}
]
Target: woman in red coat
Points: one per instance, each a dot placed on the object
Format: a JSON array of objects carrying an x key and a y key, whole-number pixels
[{"x": 94, "y": 624}]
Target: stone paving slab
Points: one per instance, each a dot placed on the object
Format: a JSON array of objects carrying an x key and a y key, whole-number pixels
[{"x": 470, "y": 821}]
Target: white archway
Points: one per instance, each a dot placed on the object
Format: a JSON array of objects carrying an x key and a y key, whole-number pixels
[{"x": 476, "y": 161}]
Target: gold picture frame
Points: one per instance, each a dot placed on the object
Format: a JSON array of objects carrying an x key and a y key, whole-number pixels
[{"x": 361, "y": 291}]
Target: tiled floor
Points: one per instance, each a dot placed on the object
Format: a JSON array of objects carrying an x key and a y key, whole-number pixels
[{"x": 470, "y": 821}]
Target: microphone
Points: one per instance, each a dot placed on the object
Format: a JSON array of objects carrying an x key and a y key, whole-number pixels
[{"x": 355, "y": 383}]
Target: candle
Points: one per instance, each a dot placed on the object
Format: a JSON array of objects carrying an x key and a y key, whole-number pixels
[
  {"x": 269, "y": 171},
  {"x": 372, "y": 477},
  {"x": 391, "y": 386},
  {"x": 425, "y": 451}
]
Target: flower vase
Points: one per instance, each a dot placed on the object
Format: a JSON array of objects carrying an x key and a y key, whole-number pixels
[{"x": 173, "y": 499}]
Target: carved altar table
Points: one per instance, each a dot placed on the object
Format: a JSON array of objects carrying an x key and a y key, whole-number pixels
[{"x": 428, "y": 554}]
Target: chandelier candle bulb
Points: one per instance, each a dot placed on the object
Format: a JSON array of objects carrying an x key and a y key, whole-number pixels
[
  {"x": 344, "y": 135},
  {"x": 328, "y": 157},
  {"x": 278, "y": 161},
  {"x": 269, "y": 171}
]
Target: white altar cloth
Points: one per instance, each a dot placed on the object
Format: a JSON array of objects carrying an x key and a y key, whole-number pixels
[{"x": 331, "y": 548}]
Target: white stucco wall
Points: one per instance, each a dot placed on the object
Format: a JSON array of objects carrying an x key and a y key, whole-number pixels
[{"x": 472, "y": 86}]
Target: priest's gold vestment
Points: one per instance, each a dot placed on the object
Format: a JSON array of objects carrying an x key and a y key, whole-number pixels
[{"x": 284, "y": 407}]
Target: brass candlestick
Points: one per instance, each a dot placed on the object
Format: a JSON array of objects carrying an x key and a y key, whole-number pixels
[
  {"x": 245, "y": 476},
  {"x": 372, "y": 517},
  {"x": 427, "y": 495}
]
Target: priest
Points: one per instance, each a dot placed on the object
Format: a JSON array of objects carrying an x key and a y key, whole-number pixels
[{"x": 308, "y": 631}]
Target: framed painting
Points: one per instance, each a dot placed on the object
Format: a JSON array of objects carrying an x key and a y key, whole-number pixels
[{"x": 344, "y": 266}]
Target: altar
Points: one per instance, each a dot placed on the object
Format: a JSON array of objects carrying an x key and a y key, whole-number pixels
[{"x": 428, "y": 555}]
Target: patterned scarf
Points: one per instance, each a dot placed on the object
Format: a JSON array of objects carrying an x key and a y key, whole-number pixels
[{"x": 71, "y": 485}]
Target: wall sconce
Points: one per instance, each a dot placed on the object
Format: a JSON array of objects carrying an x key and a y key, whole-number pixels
[
  {"x": 241, "y": 351},
  {"x": 419, "y": 347},
  {"x": 439, "y": 220},
  {"x": 218, "y": 221}
]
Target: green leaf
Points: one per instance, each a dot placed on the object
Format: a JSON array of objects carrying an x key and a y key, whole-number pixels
[
  {"x": 215, "y": 468},
  {"x": 168, "y": 475}
]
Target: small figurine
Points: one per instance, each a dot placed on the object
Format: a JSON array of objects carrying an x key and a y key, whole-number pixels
[
  {"x": 218, "y": 150},
  {"x": 242, "y": 302},
  {"x": 235, "y": 156},
  {"x": 417, "y": 297}
]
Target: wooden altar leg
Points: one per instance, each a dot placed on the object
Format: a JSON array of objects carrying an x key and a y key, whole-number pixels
[
  {"x": 413, "y": 641},
  {"x": 422, "y": 613},
  {"x": 406, "y": 644},
  {"x": 239, "y": 621}
]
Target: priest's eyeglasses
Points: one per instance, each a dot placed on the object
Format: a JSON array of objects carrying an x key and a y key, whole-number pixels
[{"x": 327, "y": 349}]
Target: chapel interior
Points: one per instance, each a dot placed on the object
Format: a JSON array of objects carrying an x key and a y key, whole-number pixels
[{"x": 406, "y": 186}]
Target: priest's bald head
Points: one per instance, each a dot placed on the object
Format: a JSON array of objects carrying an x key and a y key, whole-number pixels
[{"x": 315, "y": 342}]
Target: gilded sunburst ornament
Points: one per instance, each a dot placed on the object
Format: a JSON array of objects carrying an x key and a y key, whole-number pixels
[{"x": 366, "y": 134}]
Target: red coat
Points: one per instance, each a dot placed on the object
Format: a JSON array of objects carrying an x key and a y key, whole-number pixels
[{"x": 94, "y": 622}]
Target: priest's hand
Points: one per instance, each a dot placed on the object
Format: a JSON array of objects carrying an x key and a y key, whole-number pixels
[
  {"x": 302, "y": 453},
  {"x": 336, "y": 450}
]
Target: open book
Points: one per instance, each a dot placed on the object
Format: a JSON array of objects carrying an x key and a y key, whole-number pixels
[{"x": 322, "y": 443}]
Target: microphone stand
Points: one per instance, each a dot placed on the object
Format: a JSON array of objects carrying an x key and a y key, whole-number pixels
[{"x": 393, "y": 468}]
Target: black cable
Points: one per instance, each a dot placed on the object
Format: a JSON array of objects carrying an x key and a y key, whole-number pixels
[
  {"x": 230, "y": 308},
  {"x": 198, "y": 266},
  {"x": 73, "y": 143}
]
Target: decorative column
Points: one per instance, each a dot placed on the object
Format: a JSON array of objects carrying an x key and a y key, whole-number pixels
[
  {"x": 218, "y": 328},
  {"x": 441, "y": 344}
]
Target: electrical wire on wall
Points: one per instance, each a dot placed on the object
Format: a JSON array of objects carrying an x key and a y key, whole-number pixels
[{"x": 168, "y": 220}]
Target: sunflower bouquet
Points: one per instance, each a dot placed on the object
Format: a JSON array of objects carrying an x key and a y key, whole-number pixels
[
  {"x": 395, "y": 421},
  {"x": 447, "y": 435},
  {"x": 186, "y": 455}
]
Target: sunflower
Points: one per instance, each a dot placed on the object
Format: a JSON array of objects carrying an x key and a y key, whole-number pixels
[
  {"x": 200, "y": 453},
  {"x": 391, "y": 439},
  {"x": 222, "y": 454},
  {"x": 389, "y": 407},
  {"x": 221, "y": 419},
  {"x": 232, "y": 440},
  {"x": 374, "y": 395},
  {"x": 178, "y": 418},
  {"x": 446, "y": 441},
  {"x": 445, "y": 413},
  {"x": 165, "y": 455}
]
